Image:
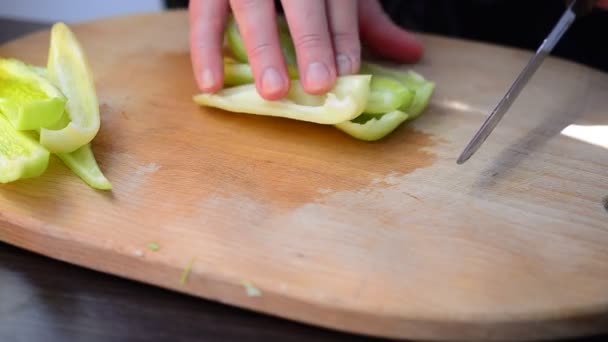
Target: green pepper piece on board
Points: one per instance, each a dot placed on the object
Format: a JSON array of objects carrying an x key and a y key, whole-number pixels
[
  {"x": 82, "y": 162},
  {"x": 421, "y": 100},
  {"x": 386, "y": 95},
  {"x": 27, "y": 99},
  {"x": 344, "y": 102},
  {"x": 422, "y": 88},
  {"x": 408, "y": 78},
  {"x": 21, "y": 156},
  {"x": 69, "y": 70},
  {"x": 373, "y": 127}
]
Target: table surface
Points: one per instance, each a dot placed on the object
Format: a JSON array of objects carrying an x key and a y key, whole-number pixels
[{"x": 47, "y": 300}]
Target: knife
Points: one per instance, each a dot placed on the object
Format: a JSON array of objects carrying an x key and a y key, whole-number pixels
[{"x": 575, "y": 8}]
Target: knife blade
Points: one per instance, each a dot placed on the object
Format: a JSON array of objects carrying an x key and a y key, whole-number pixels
[{"x": 574, "y": 9}]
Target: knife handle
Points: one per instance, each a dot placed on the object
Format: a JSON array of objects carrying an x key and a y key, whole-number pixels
[{"x": 582, "y": 7}]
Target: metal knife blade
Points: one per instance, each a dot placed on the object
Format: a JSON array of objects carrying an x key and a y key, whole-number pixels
[{"x": 503, "y": 106}]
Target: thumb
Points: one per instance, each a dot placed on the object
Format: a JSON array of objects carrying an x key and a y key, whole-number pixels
[{"x": 384, "y": 37}]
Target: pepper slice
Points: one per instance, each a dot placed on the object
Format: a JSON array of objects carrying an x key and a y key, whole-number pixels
[
  {"x": 386, "y": 95},
  {"x": 421, "y": 100},
  {"x": 373, "y": 127},
  {"x": 27, "y": 99},
  {"x": 412, "y": 80},
  {"x": 82, "y": 162},
  {"x": 20, "y": 155},
  {"x": 344, "y": 102},
  {"x": 69, "y": 70},
  {"x": 408, "y": 78}
]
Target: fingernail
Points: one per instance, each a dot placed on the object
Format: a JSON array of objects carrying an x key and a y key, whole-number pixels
[
  {"x": 207, "y": 79},
  {"x": 272, "y": 82},
  {"x": 344, "y": 65},
  {"x": 317, "y": 75}
]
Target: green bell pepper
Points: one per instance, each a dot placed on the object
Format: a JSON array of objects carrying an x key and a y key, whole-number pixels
[
  {"x": 344, "y": 102},
  {"x": 373, "y": 127},
  {"x": 387, "y": 95},
  {"x": 423, "y": 89},
  {"x": 21, "y": 156},
  {"x": 82, "y": 162},
  {"x": 27, "y": 99},
  {"x": 69, "y": 70}
]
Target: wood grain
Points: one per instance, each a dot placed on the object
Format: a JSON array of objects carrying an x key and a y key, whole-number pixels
[{"x": 390, "y": 239}]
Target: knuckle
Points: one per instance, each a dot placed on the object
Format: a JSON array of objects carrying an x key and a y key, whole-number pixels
[
  {"x": 346, "y": 38},
  {"x": 261, "y": 50},
  {"x": 307, "y": 41},
  {"x": 347, "y": 43}
]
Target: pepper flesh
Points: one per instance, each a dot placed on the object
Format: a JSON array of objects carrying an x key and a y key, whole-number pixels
[
  {"x": 412, "y": 80},
  {"x": 421, "y": 100},
  {"x": 21, "y": 156},
  {"x": 69, "y": 70},
  {"x": 344, "y": 102},
  {"x": 82, "y": 162},
  {"x": 375, "y": 127},
  {"x": 27, "y": 99},
  {"x": 386, "y": 95},
  {"x": 394, "y": 96},
  {"x": 409, "y": 78}
]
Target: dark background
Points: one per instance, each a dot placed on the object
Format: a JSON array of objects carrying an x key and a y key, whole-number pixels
[
  {"x": 517, "y": 23},
  {"x": 51, "y": 301}
]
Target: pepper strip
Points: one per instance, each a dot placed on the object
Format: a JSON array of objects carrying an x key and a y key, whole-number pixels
[
  {"x": 387, "y": 95},
  {"x": 20, "y": 155},
  {"x": 376, "y": 128},
  {"x": 344, "y": 102},
  {"x": 412, "y": 80},
  {"x": 68, "y": 69},
  {"x": 27, "y": 99},
  {"x": 82, "y": 162}
]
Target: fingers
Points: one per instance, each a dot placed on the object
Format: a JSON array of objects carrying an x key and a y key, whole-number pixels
[
  {"x": 258, "y": 26},
  {"x": 343, "y": 25},
  {"x": 207, "y": 23},
  {"x": 310, "y": 31},
  {"x": 384, "y": 37},
  {"x": 603, "y": 4}
]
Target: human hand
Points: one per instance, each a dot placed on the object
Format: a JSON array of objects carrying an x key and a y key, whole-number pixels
[
  {"x": 327, "y": 36},
  {"x": 603, "y": 4}
]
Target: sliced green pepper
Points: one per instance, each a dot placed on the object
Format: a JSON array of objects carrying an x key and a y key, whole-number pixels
[
  {"x": 421, "y": 100},
  {"x": 235, "y": 42},
  {"x": 28, "y": 100},
  {"x": 412, "y": 80},
  {"x": 408, "y": 78},
  {"x": 386, "y": 95},
  {"x": 373, "y": 127},
  {"x": 69, "y": 70},
  {"x": 237, "y": 74},
  {"x": 82, "y": 162},
  {"x": 344, "y": 102},
  {"x": 21, "y": 156}
]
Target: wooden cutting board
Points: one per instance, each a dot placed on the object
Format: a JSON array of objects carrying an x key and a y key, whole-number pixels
[{"x": 389, "y": 238}]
